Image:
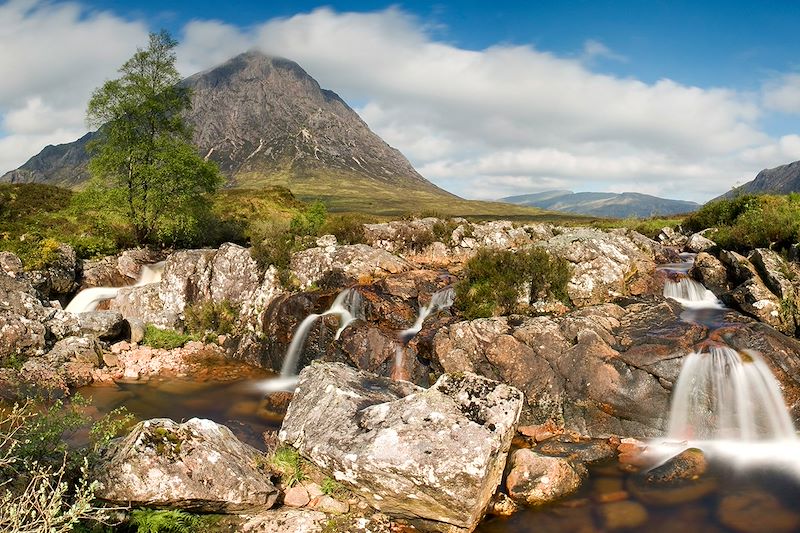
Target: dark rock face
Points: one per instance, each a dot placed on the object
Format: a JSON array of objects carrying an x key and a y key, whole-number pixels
[
  {"x": 436, "y": 454},
  {"x": 259, "y": 116}
]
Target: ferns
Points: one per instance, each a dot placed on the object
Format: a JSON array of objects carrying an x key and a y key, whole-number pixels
[{"x": 164, "y": 521}]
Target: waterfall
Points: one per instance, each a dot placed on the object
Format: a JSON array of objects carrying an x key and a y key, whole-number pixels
[
  {"x": 442, "y": 299},
  {"x": 690, "y": 293},
  {"x": 347, "y": 306},
  {"x": 88, "y": 299},
  {"x": 725, "y": 394}
]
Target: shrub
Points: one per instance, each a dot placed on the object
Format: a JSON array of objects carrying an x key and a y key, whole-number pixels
[
  {"x": 309, "y": 220},
  {"x": 443, "y": 230},
  {"x": 164, "y": 521},
  {"x": 211, "y": 317},
  {"x": 348, "y": 228},
  {"x": 166, "y": 339},
  {"x": 286, "y": 462},
  {"x": 494, "y": 280}
]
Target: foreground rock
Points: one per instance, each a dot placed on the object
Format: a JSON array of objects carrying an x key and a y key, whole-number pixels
[
  {"x": 433, "y": 455},
  {"x": 535, "y": 479},
  {"x": 198, "y": 465}
]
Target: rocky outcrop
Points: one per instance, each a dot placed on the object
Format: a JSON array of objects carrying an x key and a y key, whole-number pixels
[
  {"x": 357, "y": 263},
  {"x": 711, "y": 272},
  {"x": 433, "y": 455},
  {"x": 698, "y": 242},
  {"x": 22, "y": 318},
  {"x": 117, "y": 270},
  {"x": 58, "y": 279},
  {"x": 197, "y": 465}
]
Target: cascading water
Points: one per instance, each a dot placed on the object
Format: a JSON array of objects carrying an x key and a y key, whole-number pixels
[
  {"x": 88, "y": 299},
  {"x": 690, "y": 293},
  {"x": 440, "y": 300},
  {"x": 347, "y": 306},
  {"x": 725, "y": 394}
]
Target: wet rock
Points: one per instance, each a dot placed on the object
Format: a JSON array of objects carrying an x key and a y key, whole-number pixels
[
  {"x": 688, "y": 465},
  {"x": 296, "y": 496},
  {"x": 711, "y": 272},
  {"x": 502, "y": 505},
  {"x": 358, "y": 263},
  {"x": 699, "y": 243},
  {"x": 757, "y": 512},
  {"x": 286, "y": 521},
  {"x": 436, "y": 454},
  {"x": 198, "y": 465},
  {"x": 577, "y": 449},
  {"x": 622, "y": 515},
  {"x": 535, "y": 479}
]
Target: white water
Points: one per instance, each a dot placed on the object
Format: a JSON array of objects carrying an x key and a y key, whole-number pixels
[
  {"x": 691, "y": 294},
  {"x": 347, "y": 306},
  {"x": 88, "y": 299},
  {"x": 442, "y": 299}
]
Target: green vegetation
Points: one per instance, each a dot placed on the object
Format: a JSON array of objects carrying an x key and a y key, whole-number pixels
[
  {"x": 333, "y": 488},
  {"x": 649, "y": 227},
  {"x": 494, "y": 280},
  {"x": 286, "y": 462},
  {"x": 44, "y": 486},
  {"x": 211, "y": 318},
  {"x": 164, "y": 521},
  {"x": 144, "y": 164},
  {"x": 750, "y": 221},
  {"x": 166, "y": 339}
]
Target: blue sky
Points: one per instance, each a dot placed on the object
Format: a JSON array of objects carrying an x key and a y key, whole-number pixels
[{"x": 680, "y": 99}]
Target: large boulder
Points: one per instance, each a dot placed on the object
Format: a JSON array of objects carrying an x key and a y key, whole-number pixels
[
  {"x": 197, "y": 465},
  {"x": 711, "y": 272},
  {"x": 357, "y": 263},
  {"x": 698, "y": 242},
  {"x": 535, "y": 479},
  {"x": 58, "y": 279},
  {"x": 22, "y": 318},
  {"x": 604, "y": 264},
  {"x": 432, "y": 455}
]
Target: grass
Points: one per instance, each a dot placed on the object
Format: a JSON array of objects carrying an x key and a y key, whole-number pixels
[
  {"x": 333, "y": 488},
  {"x": 286, "y": 462},
  {"x": 217, "y": 318},
  {"x": 165, "y": 339},
  {"x": 494, "y": 280},
  {"x": 164, "y": 521}
]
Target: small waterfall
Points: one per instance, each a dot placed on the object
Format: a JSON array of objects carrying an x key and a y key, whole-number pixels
[
  {"x": 347, "y": 306},
  {"x": 725, "y": 394},
  {"x": 690, "y": 293},
  {"x": 88, "y": 299},
  {"x": 442, "y": 299}
]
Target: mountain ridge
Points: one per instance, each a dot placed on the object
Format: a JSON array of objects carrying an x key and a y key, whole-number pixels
[
  {"x": 602, "y": 204},
  {"x": 782, "y": 179}
]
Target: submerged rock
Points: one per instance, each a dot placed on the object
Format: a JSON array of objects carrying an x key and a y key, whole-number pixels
[
  {"x": 197, "y": 465},
  {"x": 535, "y": 479},
  {"x": 757, "y": 512},
  {"x": 436, "y": 454}
]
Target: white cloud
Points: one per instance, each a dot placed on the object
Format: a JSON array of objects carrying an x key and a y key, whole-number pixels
[
  {"x": 485, "y": 123},
  {"x": 783, "y": 94},
  {"x": 52, "y": 55}
]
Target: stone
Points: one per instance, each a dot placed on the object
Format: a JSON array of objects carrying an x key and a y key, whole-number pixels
[
  {"x": 739, "y": 268},
  {"x": 143, "y": 304},
  {"x": 105, "y": 325},
  {"x": 699, "y": 243},
  {"x": 357, "y": 263},
  {"x": 535, "y": 479},
  {"x": 688, "y": 465},
  {"x": 756, "y": 512},
  {"x": 774, "y": 272},
  {"x": 38, "y": 373},
  {"x": 296, "y": 496},
  {"x": 197, "y": 465},
  {"x": 137, "y": 328},
  {"x": 328, "y": 504},
  {"x": 326, "y": 240},
  {"x": 435, "y": 454},
  {"x": 754, "y": 298},
  {"x": 502, "y": 505},
  {"x": 10, "y": 264},
  {"x": 623, "y": 515},
  {"x": 711, "y": 272},
  {"x": 58, "y": 279},
  {"x": 286, "y": 521},
  {"x": 669, "y": 237},
  {"x": 22, "y": 319},
  {"x": 75, "y": 349}
]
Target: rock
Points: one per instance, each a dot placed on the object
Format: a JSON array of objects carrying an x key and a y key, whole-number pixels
[
  {"x": 286, "y": 521},
  {"x": 435, "y": 454},
  {"x": 357, "y": 263},
  {"x": 47, "y": 382},
  {"x": 22, "y": 319},
  {"x": 58, "y": 279},
  {"x": 739, "y": 268},
  {"x": 623, "y": 515},
  {"x": 143, "y": 304},
  {"x": 10, "y": 264},
  {"x": 326, "y": 240},
  {"x": 756, "y": 512},
  {"x": 76, "y": 349},
  {"x": 296, "y": 496},
  {"x": 688, "y": 465},
  {"x": 137, "y": 328},
  {"x": 669, "y": 237},
  {"x": 197, "y": 465},
  {"x": 327, "y": 504},
  {"x": 699, "y": 243},
  {"x": 535, "y": 479},
  {"x": 754, "y": 298},
  {"x": 604, "y": 264},
  {"x": 710, "y": 271},
  {"x": 105, "y": 325},
  {"x": 774, "y": 272},
  {"x": 502, "y": 505},
  {"x": 102, "y": 272}
]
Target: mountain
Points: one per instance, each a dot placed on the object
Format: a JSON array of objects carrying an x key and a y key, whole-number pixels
[
  {"x": 265, "y": 121},
  {"x": 604, "y": 204},
  {"x": 779, "y": 180}
]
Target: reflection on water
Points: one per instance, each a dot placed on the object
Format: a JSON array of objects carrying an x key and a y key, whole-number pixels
[{"x": 240, "y": 405}]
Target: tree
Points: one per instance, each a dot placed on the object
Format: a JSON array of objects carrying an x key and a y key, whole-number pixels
[{"x": 144, "y": 157}]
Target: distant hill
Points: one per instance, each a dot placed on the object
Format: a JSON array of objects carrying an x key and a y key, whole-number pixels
[
  {"x": 604, "y": 204},
  {"x": 266, "y": 122},
  {"x": 779, "y": 180}
]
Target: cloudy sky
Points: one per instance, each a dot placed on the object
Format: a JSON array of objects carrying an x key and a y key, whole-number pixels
[{"x": 664, "y": 98}]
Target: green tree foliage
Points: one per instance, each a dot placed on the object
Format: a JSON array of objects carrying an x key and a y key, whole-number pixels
[{"x": 144, "y": 155}]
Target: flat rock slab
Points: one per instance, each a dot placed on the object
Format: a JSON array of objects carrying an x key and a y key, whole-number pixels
[
  {"x": 436, "y": 455},
  {"x": 198, "y": 465}
]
